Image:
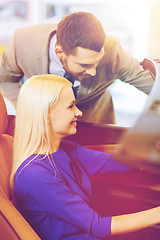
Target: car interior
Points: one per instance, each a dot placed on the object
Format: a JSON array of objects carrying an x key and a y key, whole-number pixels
[
  {"x": 12, "y": 224},
  {"x": 112, "y": 193}
]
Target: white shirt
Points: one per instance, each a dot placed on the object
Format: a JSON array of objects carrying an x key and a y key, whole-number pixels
[{"x": 55, "y": 66}]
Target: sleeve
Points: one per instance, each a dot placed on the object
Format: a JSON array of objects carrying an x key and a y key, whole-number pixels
[
  {"x": 51, "y": 195},
  {"x": 10, "y": 73},
  {"x": 129, "y": 70},
  {"x": 98, "y": 162}
]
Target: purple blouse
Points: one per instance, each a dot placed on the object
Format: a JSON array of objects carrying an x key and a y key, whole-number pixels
[{"x": 56, "y": 203}]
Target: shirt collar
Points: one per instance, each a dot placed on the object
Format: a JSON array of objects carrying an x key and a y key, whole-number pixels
[{"x": 55, "y": 66}]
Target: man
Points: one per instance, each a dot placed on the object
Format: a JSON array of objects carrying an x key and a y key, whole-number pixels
[{"x": 79, "y": 50}]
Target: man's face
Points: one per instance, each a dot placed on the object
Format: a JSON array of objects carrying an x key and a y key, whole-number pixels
[{"x": 82, "y": 64}]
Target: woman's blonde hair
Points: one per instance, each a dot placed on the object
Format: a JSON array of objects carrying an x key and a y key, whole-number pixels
[{"x": 36, "y": 96}]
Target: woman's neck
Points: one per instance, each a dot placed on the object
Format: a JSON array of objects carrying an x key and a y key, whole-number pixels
[{"x": 45, "y": 149}]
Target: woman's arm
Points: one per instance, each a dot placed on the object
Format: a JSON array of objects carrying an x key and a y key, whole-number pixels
[{"x": 135, "y": 221}]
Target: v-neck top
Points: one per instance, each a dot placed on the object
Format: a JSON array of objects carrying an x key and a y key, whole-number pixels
[{"x": 53, "y": 192}]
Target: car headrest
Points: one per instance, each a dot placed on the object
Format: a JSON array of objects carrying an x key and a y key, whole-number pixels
[{"x": 3, "y": 116}]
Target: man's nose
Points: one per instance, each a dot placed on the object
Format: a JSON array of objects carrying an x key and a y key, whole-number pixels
[{"x": 91, "y": 71}]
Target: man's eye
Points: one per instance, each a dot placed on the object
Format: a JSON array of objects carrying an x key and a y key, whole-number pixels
[{"x": 87, "y": 65}]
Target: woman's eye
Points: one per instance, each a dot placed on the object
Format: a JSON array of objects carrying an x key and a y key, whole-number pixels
[{"x": 71, "y": 106}]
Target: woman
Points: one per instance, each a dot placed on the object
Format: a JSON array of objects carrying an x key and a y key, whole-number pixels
[{"x": 51, "y": 176}]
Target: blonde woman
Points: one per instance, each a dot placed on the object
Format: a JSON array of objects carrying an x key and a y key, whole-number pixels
[{"x": 50, "y": 176}]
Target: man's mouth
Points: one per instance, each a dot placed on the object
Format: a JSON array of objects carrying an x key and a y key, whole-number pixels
[{"x": 81, "y": 77}]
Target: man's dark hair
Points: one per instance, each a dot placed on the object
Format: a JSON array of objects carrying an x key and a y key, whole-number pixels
[{"x": 80, "y": 29}]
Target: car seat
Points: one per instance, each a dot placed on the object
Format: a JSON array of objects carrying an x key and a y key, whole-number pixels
[{"x": 12, "y": 224}]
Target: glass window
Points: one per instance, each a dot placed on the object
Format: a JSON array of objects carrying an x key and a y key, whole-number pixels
[{"x": 13, "y": 11}]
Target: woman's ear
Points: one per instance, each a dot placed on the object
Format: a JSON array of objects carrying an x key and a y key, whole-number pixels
[
  {"x": 49, "y": 121},
  {"x": 59, "y": 51},
  {"x": 49, "y": 117}
]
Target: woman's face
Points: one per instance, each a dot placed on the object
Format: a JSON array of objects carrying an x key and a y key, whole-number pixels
[{"x": 64, "y": 114}]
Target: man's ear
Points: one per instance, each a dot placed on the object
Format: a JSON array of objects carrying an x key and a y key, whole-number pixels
[{"x": 59, "y": 51}]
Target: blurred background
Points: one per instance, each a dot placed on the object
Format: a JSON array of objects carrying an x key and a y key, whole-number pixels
[{"x": 134, "y": 23}]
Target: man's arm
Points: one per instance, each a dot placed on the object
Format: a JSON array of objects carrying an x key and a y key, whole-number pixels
[
  {"x": 129, "y": 70},
  {"x": 10, "y": 90},
  {"x": 10, "y": 73}
]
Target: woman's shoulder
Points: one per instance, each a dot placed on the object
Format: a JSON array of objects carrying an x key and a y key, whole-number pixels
[{"x": 32, "y": 164}]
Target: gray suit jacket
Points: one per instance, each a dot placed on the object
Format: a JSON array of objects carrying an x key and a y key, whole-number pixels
[{"x": 27, "y": 54}]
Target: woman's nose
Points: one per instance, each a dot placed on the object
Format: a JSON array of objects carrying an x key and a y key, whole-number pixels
[{"x": 78, "y": 113}]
